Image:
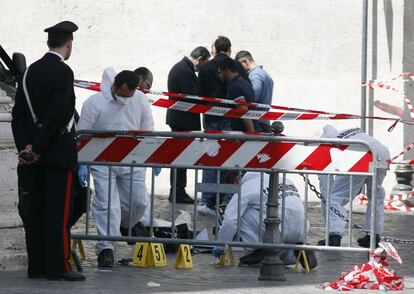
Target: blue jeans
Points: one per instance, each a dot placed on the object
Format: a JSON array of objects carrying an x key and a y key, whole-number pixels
[{"x": 210, "y": 176}]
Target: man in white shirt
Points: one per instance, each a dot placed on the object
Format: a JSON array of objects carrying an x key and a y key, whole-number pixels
[
  {"x": 250, "y": 224},
  {"x": 118, "y": 106}
]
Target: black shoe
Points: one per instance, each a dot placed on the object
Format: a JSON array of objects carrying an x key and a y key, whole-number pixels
[
  {"x": 252, "y": 258},
  {"x": 334, "y": 240},
  {"x": 106, "y": 258},
  {"x": 310, "y": 256},
  {"x": 365, "y": 241},
  {"x": 69, "y": 276},
  {"x": 35, "y": 276},
  {"x": 181, "y": 196}
]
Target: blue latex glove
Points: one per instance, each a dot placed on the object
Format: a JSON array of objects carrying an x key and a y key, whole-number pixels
[
  {"x": 217, "y": 251},
  {"x": 83, "y": 174},
  {"x": 157, "y": 171}
]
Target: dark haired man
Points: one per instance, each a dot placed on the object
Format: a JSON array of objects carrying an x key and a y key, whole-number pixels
[
  {"x": 145, "y": 78},
  {"x": 262, "y": 85},
  {"x": 44, "y": 135},
  {"x": 211, "y": 85},
  {"x": 182, "y": 79},
  {"x": 237, "y": 90},
  {"x": 119, "y": 106}
]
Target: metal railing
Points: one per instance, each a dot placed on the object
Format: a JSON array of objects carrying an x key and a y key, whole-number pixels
[{"x": 272, "y": 240}]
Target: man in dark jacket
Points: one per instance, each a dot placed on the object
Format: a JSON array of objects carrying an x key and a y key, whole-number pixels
[
  {"x": 182, "y": 79},
  {"x": 211, "y": 85},
  {"x": 44, "y": 136}
]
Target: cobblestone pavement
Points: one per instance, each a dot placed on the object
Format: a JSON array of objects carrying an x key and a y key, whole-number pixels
[{"x": 208, "y": 278}]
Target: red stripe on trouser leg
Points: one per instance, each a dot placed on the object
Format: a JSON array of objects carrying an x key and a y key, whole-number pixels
[{"x": 66, "y": 214}]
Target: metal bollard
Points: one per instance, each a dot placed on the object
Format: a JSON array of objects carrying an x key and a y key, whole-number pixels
[{"x": 272, "y": 267}]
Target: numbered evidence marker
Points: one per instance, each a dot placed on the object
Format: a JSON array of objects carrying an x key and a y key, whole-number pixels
[
  {"x": 149, "y": 254},
  {"x": 183, "y": 258},
  {"x": 227, "y": 257},
  {"x": 73, "y": 245},
  {"x": 302, "y": 255}
]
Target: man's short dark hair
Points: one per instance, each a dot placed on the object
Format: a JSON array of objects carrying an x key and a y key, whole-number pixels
[
  {"x": 200, "y": 51},
  {"x": 58, "y": 39},
  {"x": 126, "y": 77},
  {"x": 243, "y": 54},
  {"x": 222, "y": 44},
  {"x": 143, "y": 72},
  {"x": 229, "y": 64}
]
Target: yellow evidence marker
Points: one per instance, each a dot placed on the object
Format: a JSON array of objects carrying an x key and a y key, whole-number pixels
[
  {"x": 302, "y": 254},
  {"x": 149, "y": 254},
  {"x": 227, "y": 257},
  {"x": 183, "y": 258},
  {"x": 73, "y": 245}
]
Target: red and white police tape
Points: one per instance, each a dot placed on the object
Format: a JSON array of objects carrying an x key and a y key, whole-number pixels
[
  {"x": 290, "y": 113},
  {"x": 223, "y": 153},
  {"x": 374, "y": 275}
]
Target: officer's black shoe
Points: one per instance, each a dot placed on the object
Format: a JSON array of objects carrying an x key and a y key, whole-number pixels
[
  {"x": 35, "y": 276},
  {"x": 181, "y": 196},
  {"x": 334, "y": 240},
  {"x": 252, "y": 258},
  {"x": 310, "y": 256},
  {"x": 365, "y": 241},
  {"x": 106, "y": 258},
  {"x": 69, "y": 276}
]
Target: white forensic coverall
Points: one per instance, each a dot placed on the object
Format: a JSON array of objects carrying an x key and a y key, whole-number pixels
[
  {"x": 340, "y": 184},
  {"x": 293, "y": 222},
  {"x": 102, "y": 112}
]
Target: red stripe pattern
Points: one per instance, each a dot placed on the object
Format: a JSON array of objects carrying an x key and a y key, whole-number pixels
[{"x": 194, "y": 152}]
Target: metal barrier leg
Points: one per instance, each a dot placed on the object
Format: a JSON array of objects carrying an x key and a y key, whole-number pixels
[
  {"x": 261, "y": 206},
  {"x": 282, "y": 237},
  {"x": 272, "y": 267},
  {"x": 373, "y": 199},
  {"x": 195, "y": 204},
  {"x": 88, "y": 200},
  {"x": 174, "y": 171},
  {"x": 350, "y": 210},
  {"x": 305, "y": 225},
  {"x": 152, "y": 203}
]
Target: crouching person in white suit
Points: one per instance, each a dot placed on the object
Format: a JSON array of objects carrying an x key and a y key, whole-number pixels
[
  {"x": 250, "y": 224},
  {"x": 340, "y": 189},
  {"x": 118, "y": 106}
]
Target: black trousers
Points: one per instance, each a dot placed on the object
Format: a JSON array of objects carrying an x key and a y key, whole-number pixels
[
  {"x": 181, "y": 172},
  {"x": 44, "y": 206}
]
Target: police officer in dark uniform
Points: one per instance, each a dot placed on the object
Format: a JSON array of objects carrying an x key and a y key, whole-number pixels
[{"x": 45, "y": 138}]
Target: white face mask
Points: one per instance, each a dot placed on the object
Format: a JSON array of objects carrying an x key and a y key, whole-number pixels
[{"x": 123, "y": 100}]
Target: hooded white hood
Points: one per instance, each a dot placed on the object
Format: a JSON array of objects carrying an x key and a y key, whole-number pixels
[{"x": 108, "y": 78}]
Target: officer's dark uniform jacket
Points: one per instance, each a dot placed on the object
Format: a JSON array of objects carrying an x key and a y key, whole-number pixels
[
  {"x": 50, "y": 86},
  {"x": 182, "y": 79}
]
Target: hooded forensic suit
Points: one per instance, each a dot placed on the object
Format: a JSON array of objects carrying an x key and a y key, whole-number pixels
[
  {"x": 102, "y": 112},
  {"x": 340, "y": 184},
  {"x": 293, "y": 222}
]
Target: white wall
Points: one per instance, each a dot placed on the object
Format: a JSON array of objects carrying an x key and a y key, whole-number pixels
[{"x": 311, "y": 48}]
